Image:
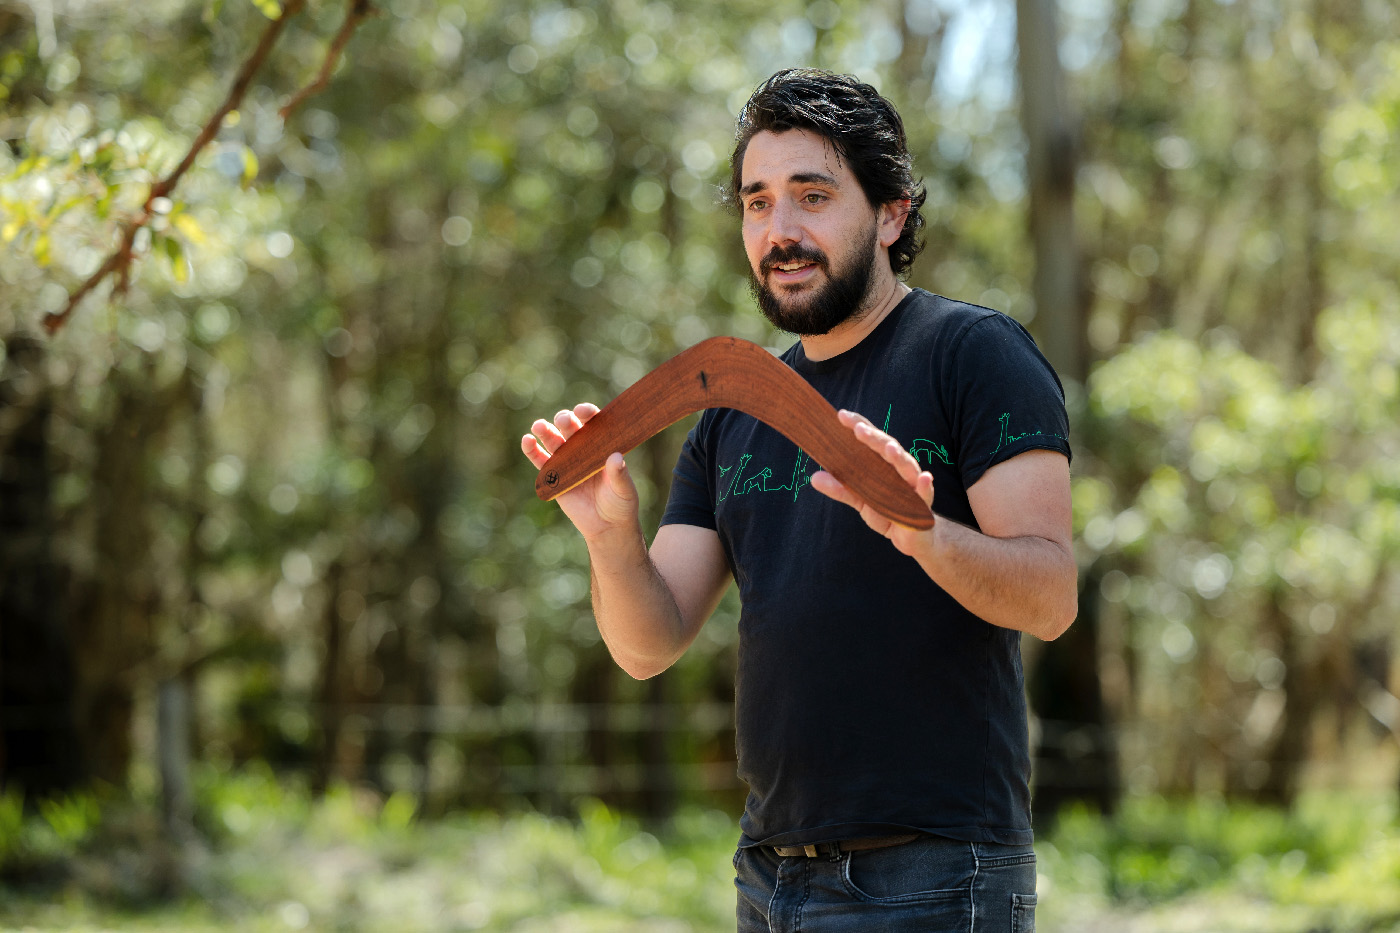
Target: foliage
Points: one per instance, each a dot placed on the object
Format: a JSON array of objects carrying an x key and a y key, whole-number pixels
[
  {"x": 354, "y": 859},
  {"x": 1206, "y": 865},
  {"x": 278, "y": 858},
  {"x": 283, "y": 467},
  {"x": 30, "y": 845},
  {"x": 343, "y": 324},
  {"x": 1241, "y": 498}
]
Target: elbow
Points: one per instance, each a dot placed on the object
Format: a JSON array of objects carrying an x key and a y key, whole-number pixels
[
  {"x": 639, "y": 671},
  {"x": 639, "y": 667},
  {"x": 1060, "y": 616}
]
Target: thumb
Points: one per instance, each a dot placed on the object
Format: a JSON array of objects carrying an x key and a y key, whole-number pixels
[{"x": 619, "y": 480}]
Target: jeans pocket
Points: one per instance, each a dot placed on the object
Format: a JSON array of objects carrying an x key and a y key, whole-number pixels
[
  {"x": 916, "y": 871},
  {"x": 1023, "y": 913}
]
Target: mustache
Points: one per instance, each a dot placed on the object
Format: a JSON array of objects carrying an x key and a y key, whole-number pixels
[{"x": 791, "y": 254}]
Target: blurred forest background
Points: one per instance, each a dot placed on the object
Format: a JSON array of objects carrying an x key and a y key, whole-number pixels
[{"x": 267, "y": 507}]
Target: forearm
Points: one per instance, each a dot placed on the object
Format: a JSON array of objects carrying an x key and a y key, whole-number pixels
[
  {"x": 636, "y": 612},
  {"x": 1027, "y": 583}
]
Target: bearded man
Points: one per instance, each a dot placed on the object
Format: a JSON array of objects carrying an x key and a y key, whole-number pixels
[{"x": 880, "y": 713}]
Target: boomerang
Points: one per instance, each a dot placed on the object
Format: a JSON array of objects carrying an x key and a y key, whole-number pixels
[{"x": 726, "y": 372}]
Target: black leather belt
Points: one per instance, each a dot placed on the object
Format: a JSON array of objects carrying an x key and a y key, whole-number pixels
[{"x": 846, "y": 845}]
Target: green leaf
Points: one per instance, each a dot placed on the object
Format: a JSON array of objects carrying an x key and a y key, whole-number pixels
[
  {"x": 176, "y": 254},
  {"x": 250, "y": 167},
  {"x": 269, "y": 8},
  {"x": 189, "y": 227},
  {"x": 66, "y": 206}
]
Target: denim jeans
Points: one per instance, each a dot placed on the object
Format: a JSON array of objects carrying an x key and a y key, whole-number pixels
[{"x": 930, "y": 885}]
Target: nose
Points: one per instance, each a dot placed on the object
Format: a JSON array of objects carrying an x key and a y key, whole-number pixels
[{"x": 784, "y": 225}]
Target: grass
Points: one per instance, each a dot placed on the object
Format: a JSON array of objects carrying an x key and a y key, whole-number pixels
[{"x": 268, "y": 857}]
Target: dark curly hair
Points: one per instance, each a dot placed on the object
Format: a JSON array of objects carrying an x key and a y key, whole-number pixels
[{"x": 865, "y": 129}]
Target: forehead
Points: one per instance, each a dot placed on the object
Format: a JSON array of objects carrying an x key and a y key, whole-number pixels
[{"x": 772, "y": 158}]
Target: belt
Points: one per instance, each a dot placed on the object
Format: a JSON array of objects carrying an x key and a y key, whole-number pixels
[{"x": 845, "y": 845}]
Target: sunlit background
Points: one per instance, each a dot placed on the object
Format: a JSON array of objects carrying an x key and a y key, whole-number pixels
[{"x": 270, "y": 556}]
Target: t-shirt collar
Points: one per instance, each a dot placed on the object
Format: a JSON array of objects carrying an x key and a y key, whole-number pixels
[{"x": 797, "y": 358}]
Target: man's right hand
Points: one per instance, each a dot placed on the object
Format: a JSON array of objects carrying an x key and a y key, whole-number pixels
[
  {"x": 655, "y": 601},
  {"x": 604, "y": 502}
]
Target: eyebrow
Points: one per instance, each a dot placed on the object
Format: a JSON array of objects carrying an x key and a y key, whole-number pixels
[{"x": 801, "y": 178}]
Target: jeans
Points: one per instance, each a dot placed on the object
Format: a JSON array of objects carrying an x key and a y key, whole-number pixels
[{"x": 930, "y": 885}]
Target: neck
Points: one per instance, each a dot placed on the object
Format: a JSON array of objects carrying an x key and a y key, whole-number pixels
[{"x": 887, "y": 292}]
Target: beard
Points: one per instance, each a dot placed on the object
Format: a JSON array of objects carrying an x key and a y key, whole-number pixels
[{"x": 816, "y": 309}]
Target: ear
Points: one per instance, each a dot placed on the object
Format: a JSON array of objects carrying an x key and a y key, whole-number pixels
[{"x": 891, "y": 218}]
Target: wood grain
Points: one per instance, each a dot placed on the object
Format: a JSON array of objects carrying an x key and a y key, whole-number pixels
[{"x": 726, "y": 372}]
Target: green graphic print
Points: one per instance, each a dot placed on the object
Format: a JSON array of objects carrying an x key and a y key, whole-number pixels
[{"x": 738, "y": 480}]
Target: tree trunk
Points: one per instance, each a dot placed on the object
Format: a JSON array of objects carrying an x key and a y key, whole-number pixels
[
  {"x": 1075, "y": 757},
  {"x": 39, "y": 748},
  {"x": 173, "y": 752},
  {"x": 1052, "y": 161},
  {"x": 114, "y": 621},
  {"x": 1289, "y": 751},
  {"x": 331, "y": 693}
]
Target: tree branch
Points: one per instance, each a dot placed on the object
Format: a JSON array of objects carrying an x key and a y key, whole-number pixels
[
  {"x": 358, "y": 12},
  {"x": 119, "y": 262}
]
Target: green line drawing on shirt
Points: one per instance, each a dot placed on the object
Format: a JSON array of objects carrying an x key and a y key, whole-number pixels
[
  {"x": 734, "y": 481},
  {"x": 726, "y": 488},
  {"x": 1008, "y": 438},
  {"x": 924, "y": 450},
  {"x": 740, "y": 484}
]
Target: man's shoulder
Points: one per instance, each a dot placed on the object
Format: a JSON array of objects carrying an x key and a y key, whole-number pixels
[
  {"x": 944, "y": 322},
  {"x": 948, "y": 312}
]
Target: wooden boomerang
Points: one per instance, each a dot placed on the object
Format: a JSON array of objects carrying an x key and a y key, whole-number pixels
[{"x": 726, "y": 372}]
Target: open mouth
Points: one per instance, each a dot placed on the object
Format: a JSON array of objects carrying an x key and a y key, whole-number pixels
[{"x": 789, "y": 271}]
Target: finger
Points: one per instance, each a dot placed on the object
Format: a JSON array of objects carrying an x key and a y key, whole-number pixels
[
  {"x": 536, "y": 454},
  {"x": 619, "y": 480},
  {"x": 924, "y": 487},
  {"x": 585, "y": 410},
  {"x": 831, "y": 487},
  {"x": 864, "y": 428},
  {"x": 567, "y": 423},
  {"x": 549, "y": 436},
  {"x": 903, "y": 462},
  {"x": 889, "y": 449},
  {"x": 852, "y": 418},
  {"x": 620, "y": 502}
]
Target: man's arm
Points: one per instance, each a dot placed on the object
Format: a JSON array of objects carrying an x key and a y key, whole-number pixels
[
  {"x": 1019, "y": 570},
  {"x": 649, "y": 605}
]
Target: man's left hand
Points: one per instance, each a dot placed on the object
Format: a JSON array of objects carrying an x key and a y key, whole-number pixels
[{"x": 907, "y": 540}]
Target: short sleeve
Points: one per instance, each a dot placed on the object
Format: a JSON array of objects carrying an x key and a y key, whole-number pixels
[
  {"x": 1008, "y": 399},
  {"x": 691, "y": 501}
]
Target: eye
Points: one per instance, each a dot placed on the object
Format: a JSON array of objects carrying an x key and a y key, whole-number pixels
[
  {"x": 814, "y": 197},
  {"x": 757, "y": 204}
]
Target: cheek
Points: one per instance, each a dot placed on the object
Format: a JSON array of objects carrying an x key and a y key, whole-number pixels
[{"x": 755, "y": 244}]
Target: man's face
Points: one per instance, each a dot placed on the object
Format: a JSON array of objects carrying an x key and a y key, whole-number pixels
[{"x": 809, "y": 232}]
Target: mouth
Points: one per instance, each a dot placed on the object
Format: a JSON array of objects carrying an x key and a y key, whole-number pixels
[{"x": 792, "y": 271}]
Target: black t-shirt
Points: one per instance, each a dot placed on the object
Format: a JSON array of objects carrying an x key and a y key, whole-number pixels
[{"x": 868, "y": 700}]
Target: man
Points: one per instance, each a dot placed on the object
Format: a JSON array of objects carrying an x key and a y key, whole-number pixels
[{"x": 880, "y": 717}]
